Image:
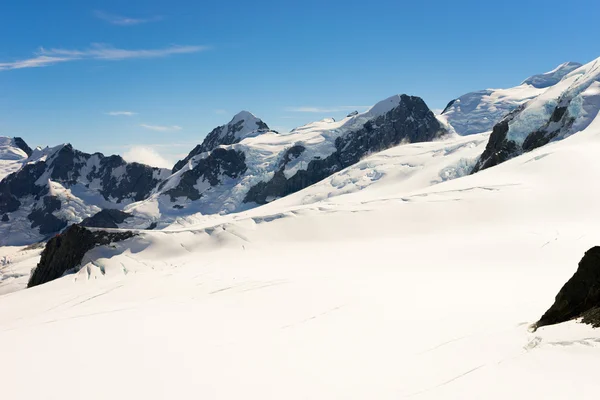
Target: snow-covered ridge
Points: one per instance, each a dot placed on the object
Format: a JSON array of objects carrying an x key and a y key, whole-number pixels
[
  {"x": 568, "y": 107},
  {"x": 479, "y": 111},
  {"x": 551, "y": 78},
  {"x": 13, "y": 153}
]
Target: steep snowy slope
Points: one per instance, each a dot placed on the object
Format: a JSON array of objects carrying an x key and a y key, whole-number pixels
[
  {"x": 566, "y": 108},
  {"x": 424, "y": 293},
  {"x": 13, "y": 153},
  {"x": 266, "y": 165},
  {"x": 479, "y": 111},
  {"x": 58, "y": 186}
]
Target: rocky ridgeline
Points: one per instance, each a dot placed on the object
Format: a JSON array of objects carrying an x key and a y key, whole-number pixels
[
  {"x": 64, "y": 252},
  {"x": 580, "y": 296}
]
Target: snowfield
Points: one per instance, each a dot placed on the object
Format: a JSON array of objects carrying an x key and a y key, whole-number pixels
[{"x": 387, "y": 280}]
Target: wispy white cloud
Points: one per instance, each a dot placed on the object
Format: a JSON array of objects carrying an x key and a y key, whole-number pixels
[
  {"x": 146, "y": 155},
  {"x": 125, "y": 21},
  {"x": 100, "y": 51},
  {"x": 34, "y": 62},
  {"x": 308, "y": 109},
  {"x": 121, "y": 113},
  {"x": 162, "y": 128},
  {"x": 220, "y": 111},
  {"x": 97, "y": 51}
]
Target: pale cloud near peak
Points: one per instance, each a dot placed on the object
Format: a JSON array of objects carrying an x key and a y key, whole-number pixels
[
  {"x": 124, "y": 21},
  {"x": 121, "y": 113},
  {"x": 97, "y": 51},
  {"x": 220, "y": 111},
  {"x": 162, "y": 128},
  {"x": 146, "y": 155},
  {"x": 309, "y": 109}
]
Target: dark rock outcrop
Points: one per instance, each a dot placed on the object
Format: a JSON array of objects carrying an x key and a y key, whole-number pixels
[
  {"x": 411, "y": 121},
  {"x": 20, "y": 143},
  {"x": 219, "y": 163},
  {"x": 107, "y": 218},
  {"x": 65, "y": 252},
  {"x": 580, "y": 296},
  {"x": 500, "y": 148},
  {"x": 43, "y": 218}
]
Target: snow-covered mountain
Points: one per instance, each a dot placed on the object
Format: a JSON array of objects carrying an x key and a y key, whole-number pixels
[
  {"x": 263, "y": 165},
  {"x": 243, "y": 125},
  {"x": 392, "y": 284},
  {"x": 479, "y": 111},
  {"x": 13, "y": 153},
  {"x": 568, "y": 107},
  {"x": 60, "y": 185}
]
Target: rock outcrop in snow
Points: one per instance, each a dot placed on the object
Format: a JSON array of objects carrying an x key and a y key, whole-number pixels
[
  {"x": 568, "y": 107},
  {"x": 580, "y": 296},
  {"x": 479, "y": 111},
  {"x": 64, "y": 252}
]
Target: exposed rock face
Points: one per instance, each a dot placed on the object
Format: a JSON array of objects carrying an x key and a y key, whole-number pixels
[
  {"x": 64, "y": 252},
  {"x": 243, "y": 125},
  {"x": 43, "y": 218},
  {"x": 20, "y": 143},
  {"x": 218, "y": 164},
  {"x": 498, "y": 149},
  {"x": 580, "y": 296},
  {"x": 107, "y": 218},
  {"x": 411, "y": 121}
]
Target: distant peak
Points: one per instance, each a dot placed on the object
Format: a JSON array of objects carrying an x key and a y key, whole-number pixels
[
  {"x": 243, "y": 115},
  {"x": 246, "y": 122},
  {"x": 551, "y": 78}
]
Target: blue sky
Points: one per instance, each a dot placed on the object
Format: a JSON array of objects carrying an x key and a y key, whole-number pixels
[{"x": 158, "y": 75}]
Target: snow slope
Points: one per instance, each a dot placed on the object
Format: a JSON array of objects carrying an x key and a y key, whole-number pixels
[
  {"x": 562, "y": 110},
  {"x": 11, "y": 156},
  {"x": 395, "y": 291},
  {"x": 479, "y": 111}
]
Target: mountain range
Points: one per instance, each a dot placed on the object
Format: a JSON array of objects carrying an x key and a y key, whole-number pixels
[{"x": 244, "y": 164}]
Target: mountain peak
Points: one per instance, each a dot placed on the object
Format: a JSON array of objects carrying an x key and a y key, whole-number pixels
[
  {"x": 244, "y": 123},
  {"x": 551, "y": 78}
]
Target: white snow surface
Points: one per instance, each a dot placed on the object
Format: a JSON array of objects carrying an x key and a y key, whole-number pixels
[
  {"x": 552, "y": 77},
  {"x": 396, "y": 288},
  {"x": 11, "y": 157},
  {"x": 479, "y": 111}
]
